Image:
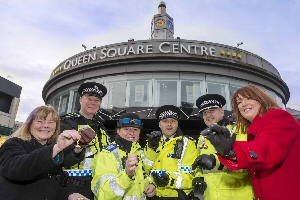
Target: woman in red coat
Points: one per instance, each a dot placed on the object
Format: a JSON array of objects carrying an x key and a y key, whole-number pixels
[{"x": 272, "y": 152}]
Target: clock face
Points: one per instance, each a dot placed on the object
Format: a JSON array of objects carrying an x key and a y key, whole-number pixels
[
  {"x": 160, "y": 22},
  {"x": 170, "y": 25}
]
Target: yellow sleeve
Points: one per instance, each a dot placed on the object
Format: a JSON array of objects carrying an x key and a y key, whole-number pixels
[
  {"x": 149, "y": 157},
  {"x": 108, "y": 183}
]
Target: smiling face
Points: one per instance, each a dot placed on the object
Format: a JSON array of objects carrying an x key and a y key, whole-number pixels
[
  {"x": 43, "y": 129},
  {"x": 168, "y": 126},
  {"x": 212, "y": 115},
  {"x": 248, "y": 107},
  {"x": 89, "y": 105},
  {"x": 129, "y": 133}
]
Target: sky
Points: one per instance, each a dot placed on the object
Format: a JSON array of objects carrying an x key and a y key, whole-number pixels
[{"x": 37, "y": 35}]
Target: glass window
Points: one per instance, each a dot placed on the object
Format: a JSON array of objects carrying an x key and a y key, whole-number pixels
[
  {"x": 280, "y": 103},
  {"x": 167, "y": 93},
  {"x": 56, "y": 104},
  {"x": 190, "y": 91},
  {"x": 117, "y": 95},
  {"x": 232, "y": 90},
  {"x": 76, "y": 103},
  {"x": 64, "y": 104},
  {"x": 5, "y": 102},
  {"x": 271, "y": 93},
  {"x": 138, "y": 94},
  {"x": 216, "y": 88}
]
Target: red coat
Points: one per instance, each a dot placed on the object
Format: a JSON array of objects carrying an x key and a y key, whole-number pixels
[{"x": 272, "y": 155}]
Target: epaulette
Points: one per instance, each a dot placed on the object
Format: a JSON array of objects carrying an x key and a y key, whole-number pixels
[
  {"x": 111, "y": 147},
  {"x": 68, "y": 115},
  {"x": 190, "y": 138},
  {"x": 74, "y": 115}
]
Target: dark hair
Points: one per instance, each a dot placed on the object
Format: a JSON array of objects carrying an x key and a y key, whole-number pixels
[{"x": 255, "y": 93}]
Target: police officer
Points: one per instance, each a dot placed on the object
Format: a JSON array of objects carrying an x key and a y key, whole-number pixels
[
  {"x": 222, "y": 183},
  {"x": 172, "y": 154},
  {"x": 119, "y": 170},
  {"x": 79, "y": 176}
]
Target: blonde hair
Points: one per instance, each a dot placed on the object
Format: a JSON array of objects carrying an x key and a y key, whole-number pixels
[
  {"x": 38, "y": 113},
  {"x": 255, "y": 93}
]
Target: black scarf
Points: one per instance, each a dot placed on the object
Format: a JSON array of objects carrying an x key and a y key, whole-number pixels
[{"x": 124, "y": 145}]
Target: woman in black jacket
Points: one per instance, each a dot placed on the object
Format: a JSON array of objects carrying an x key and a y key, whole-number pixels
[{"x": 31, "y": 160}]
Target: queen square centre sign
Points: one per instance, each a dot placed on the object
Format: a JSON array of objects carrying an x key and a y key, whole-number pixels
[{"x": 125, "y": 49}]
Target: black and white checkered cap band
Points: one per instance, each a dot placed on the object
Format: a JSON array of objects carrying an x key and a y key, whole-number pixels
[
  {"x": 168, "y": 114},
  {"x": 210, "y": 104},
  {"x": 94, "y": 89}
]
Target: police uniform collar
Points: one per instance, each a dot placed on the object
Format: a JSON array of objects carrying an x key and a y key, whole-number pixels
[
  {"x": 176, "y": 134},
  {"x": 169, "y": 138},
  {"x": 224, "y": 122},
  {"x": 210, "y": 101}
]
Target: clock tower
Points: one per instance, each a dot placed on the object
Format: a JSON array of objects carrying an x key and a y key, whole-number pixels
[{"x": 162, "y": 26}]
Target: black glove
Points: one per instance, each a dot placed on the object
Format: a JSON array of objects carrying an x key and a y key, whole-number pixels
[
  {"x": 220, "y": 130},
  {"x": 222, "y": 144},
  {"x": 199, "y": 184},
  {"x": 216, "y": 128},
  {"x": 205, "y": 161},
  {"x": 161, "y": 181},
  {"x": 153, "y": 139}
]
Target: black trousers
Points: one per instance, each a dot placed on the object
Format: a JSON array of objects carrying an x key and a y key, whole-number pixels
[
  {"x": 165, "y": 198},
  {"x": 181, "y": 196},
  {"x": 71, "y": 185}
]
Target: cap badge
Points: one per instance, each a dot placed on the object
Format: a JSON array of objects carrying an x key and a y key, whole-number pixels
[
  {"x": 210, "y": 102},
  {"x": 168, "y": 114},
  {"x": 95, "y": 89}
]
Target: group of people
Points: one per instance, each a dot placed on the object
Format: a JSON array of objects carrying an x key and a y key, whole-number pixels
[{"x": 257, "y": 157}]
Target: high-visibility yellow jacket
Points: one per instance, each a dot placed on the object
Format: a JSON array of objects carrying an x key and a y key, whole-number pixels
[
  {"x": 110, "y": 181},
  {"x": 77, "y": 122},
  {"x": 178, "y": 169},
  {"x": 222, "y": 183}
]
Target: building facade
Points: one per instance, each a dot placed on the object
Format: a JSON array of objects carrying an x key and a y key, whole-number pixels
[
  {"x": 9, "y": 103},
  {"x": 142, "y": 75}
]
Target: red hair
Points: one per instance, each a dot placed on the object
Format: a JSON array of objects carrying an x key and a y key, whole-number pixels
[{"x": 255, "y": 93}]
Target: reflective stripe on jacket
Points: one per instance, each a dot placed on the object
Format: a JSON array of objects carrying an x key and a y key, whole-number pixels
[
  {"x": 222, "y": 183},
  {"x": 177, "y": 169},
  {"x": 75, "y": 120},
  {"x": 110, "y": 181}
]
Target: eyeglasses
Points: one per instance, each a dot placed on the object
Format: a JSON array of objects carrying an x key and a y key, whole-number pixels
[
  {"x": 166, "y": 121},
  {"x": 39, "y": 121},
  {"x": 131, "y": 129}
]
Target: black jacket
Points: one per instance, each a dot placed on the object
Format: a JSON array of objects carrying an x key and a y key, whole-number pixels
[{"x": 27, "y": 170}]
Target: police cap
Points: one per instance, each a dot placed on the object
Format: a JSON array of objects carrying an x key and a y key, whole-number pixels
[
  {"x": 210, "y": 101},
  {"x": 130, "y": 120},
  {"x": 168, "y": 111},
  {"x": 92, "y": 89}
]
